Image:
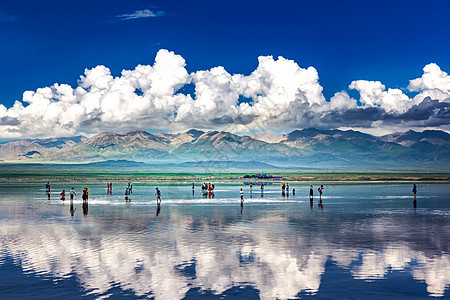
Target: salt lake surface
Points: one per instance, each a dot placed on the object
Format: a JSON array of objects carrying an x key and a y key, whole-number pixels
[{"x": 366, "y": 242}]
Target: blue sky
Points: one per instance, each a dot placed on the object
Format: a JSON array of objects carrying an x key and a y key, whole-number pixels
[
  {"x": 44, "y": 42},
  {"x": 47, "y": 42}
]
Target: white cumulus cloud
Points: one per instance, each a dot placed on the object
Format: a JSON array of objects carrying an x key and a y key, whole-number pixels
[{"x": 279, "y": 95}]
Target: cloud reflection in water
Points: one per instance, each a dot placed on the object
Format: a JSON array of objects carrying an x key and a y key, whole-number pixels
[{"x": 268, "y": 254}]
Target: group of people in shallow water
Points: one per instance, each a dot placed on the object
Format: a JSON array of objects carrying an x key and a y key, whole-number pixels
[
  {"x": 311, "y": 195},
  {"x": 72, "y": 194},
  {"x": 207, "y": 189}
]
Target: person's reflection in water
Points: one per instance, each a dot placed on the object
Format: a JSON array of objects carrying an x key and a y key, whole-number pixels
[
  {"x": 158, "y": 209},
  {"x": 127, "y": 200},
  {"x": 85, "y": 208},
  {"x": 320, "y": 204},
  {"x": 127, "y": 192},
  {"x": 72, "y": 209},
  {"x": 242, "y": 201},
  {"x": 311, "y": 202},
  {"x": 415, "y": 203}
]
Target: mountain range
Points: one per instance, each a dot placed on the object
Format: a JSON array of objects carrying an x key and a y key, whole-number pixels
[{"x": 307, "y": 148}]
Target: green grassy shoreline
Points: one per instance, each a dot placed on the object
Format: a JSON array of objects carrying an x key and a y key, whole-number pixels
[{"x": 65, "y": 176}]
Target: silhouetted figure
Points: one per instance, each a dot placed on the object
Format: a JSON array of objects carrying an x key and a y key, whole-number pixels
[
  {"x": 63, "y": 195},
  {"x": 193, "y": 189},
  {"x": 320, "y": 192},
  {"x": 242, "y": 197},
  {"x": 85, "y": 207},
  {"x": 85, "y": 196},
  {"x": 47, "y": 189},
  {"x": 110, "y": 187},
  {"x": 72, "y": 193},
  {"x": 311, "y": 193},
  {"x": 158, "y": 196},
  {"x": 72, "y": 209},
  {"x": 127, "y": 192},
  {"x": 293, "y": 192},
  {"x": 414, "y": 190},
  {"x": 158, "y": 209},
  {"x": 262, "y": 190}
]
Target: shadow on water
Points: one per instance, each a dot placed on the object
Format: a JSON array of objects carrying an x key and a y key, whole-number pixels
[
  {"x": 85, "y": 207},
  {"x": 158, "y": 209}
]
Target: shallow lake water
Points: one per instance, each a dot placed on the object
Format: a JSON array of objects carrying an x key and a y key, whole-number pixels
[{"x": 365, "y": 241}]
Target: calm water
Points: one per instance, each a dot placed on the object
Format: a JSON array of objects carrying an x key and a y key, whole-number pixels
[{"x": 367, "y": 242}]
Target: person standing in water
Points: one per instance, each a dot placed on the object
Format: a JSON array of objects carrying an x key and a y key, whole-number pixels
[
  {"x": 72, "y": 193},
  {"x": 192, "y": 189},
  {"x": 63, "y": 195},
  {"x": 127, "y": 192},
  {"x": 311, "y": 193},
  {"x": 320, "y": 192},
  {"x": 414, "y": 190},
  {"x": 262, "y": 189},
  {"x": 293, "y": 192},
  {"x": 158, "y": 196},
  {"x": 47, "y": 189},
  {"x": 242, "y": 197},
  {"x": 85, "y": 194}
]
